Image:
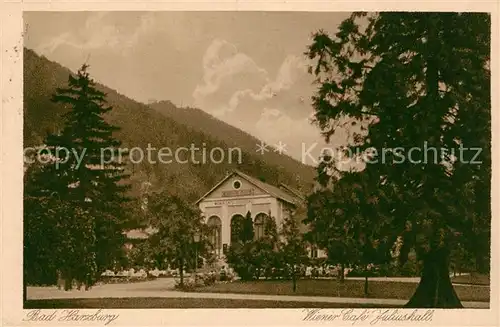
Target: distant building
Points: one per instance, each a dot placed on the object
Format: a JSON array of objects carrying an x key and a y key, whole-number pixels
[
  {"x": 136, "y": 236},
  {"x": 237, "y": 194}
]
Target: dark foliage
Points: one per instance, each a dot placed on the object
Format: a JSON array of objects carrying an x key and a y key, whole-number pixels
[
  {"x": 419, "y": 81},
  {"x": 74, "y": 211}
]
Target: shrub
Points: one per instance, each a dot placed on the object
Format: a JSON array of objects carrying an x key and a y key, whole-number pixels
[
  {"x": 409, "y": 269},
  {"x": 199, "y": 280},
  {"x": 189, "y": 284},
  {"x": 230, "y": 275},
  {"x": 209, "y": 279},
  {"x": 361, "y": 272},
  {"x": 240, "y": 257}
]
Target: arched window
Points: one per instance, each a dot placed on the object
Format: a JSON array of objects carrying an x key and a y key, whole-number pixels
[
  {"x": 215, "y": 226},
  {"x": 259, "y": 225},
  {"x": 236, "y": 227}
]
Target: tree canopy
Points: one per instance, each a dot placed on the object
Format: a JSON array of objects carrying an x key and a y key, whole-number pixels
[
  {"x": 177, "y": 223},
  {"x": 75, "y": 203},
  {"x": 416, "y": 89}
]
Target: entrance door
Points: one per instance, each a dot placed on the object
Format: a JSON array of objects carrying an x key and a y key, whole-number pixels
[
  {"x": 215, "y": 237},
  {"x": 236, "y": 227}
]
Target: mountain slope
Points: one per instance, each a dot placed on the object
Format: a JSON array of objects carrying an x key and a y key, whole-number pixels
[
  {"x": 198, "y": 119},
  {"x": 142, "y": 126}
]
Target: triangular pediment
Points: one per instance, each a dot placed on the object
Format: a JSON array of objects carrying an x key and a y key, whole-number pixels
[
  {"x": 247, "y": 186},
  {"x": 234, "y": 186}
]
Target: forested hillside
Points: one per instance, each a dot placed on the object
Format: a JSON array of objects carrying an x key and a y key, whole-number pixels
[{"x": 164, "y": 126}]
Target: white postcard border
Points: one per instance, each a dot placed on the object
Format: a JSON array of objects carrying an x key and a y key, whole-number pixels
[{"x": 12, "y": 162}]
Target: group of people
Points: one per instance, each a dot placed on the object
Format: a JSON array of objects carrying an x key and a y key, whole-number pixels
[{"x": 324, "y": 271}]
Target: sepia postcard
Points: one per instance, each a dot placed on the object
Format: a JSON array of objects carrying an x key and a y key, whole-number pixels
[{"x": 249, "y": 163}]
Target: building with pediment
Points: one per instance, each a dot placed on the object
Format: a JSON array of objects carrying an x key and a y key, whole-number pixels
[{"x": 228, "y": 202}]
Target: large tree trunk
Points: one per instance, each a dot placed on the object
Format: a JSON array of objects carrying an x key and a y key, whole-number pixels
[{"x": 435, "y": 289}]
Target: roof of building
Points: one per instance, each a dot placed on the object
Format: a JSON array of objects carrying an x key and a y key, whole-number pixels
[
  {"x": 285, "y": 195},
  {"x": 293, "y": 191}
]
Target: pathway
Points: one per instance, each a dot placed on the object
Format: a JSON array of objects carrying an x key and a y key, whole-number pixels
[{"x": 164, "y": 288}]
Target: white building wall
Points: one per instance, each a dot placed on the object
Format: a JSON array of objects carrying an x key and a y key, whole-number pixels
[
  {"x": 226, "y": 208},
  {"x": 226, "y": 221}
]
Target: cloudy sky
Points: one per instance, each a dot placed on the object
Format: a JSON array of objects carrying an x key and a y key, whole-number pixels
[{"x": 246, "y": 68}]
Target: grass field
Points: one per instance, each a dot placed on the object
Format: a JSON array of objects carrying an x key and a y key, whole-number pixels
[
  {"x": 180, "y": 303},
  {"x": 349, "y": 288},
  {"x": 472, "y": 279}
]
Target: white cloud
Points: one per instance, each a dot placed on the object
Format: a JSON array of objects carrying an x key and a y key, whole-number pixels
[
  {"x": 274, "y": 110},
  {"x": 275, "y": 125},
  {"x": 291, "y": 70},
  {"x": 221, "y": 61},
  {"x": 99, "y": 32},
  {"x": 53, "y": 44}
]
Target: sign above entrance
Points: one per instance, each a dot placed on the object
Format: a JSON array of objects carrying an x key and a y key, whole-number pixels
[
  {"x": 238, "y": 193},
  {"x": 236, "y": 202}
]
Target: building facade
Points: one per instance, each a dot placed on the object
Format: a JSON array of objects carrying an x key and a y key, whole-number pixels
[{"x": 229, "y": 201}]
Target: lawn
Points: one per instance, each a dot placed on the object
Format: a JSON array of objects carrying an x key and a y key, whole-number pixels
[
  {"x": 349, "y": 288},
  {"x": 179, "y": 303},
  {"x": 474, "y": 279}
]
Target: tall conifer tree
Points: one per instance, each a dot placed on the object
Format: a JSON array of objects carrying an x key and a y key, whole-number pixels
[
  {"x": 81, "y": 189},
  {"x": 416, "y": 81}
]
